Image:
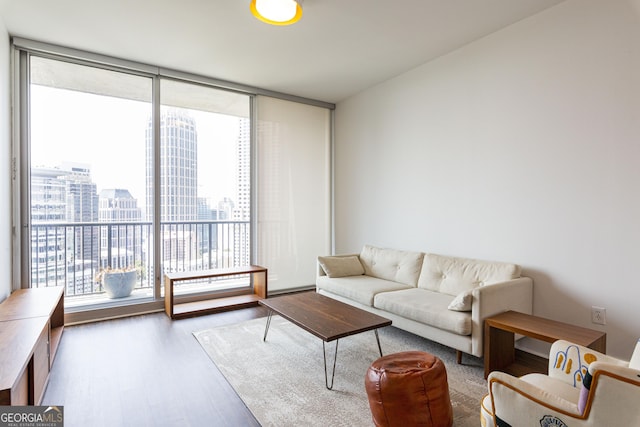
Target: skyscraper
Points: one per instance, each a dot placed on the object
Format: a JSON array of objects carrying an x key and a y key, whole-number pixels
[
  {"x": 179, "y": 167},
  {"x": 121, "y": 244},
  {"x": 63, "y": 195},
  {"x": 242, "y": 211},
  {"x": 178, "y": 182}
]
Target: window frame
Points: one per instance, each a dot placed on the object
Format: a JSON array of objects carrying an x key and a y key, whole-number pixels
[{"x": 21, "y": 50}]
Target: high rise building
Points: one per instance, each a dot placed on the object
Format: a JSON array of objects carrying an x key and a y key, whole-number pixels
[
  {"x": 226, "y": 209},
  {"x": 48, "y": 206},
  {"x": 208, "y": 232},
  {"x": 82, "y": 206},
  {"x": 121, "y": 245},
  {"x": 179, "y": 167},
  {"x": 67, "y": 196},
  {"x": 178, "y": 183},
  {"x": 118, "y": 205},
  {"x": 81, "y": 192},
  {"x": 242, "y": 210},
  {"x": 48, "y": 197}
]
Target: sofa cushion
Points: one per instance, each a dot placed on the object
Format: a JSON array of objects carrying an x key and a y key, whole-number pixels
[
  {"x": 426, "y": 307},
  {"x": 555, "y": 386},
  {"x": 391, "y": 264},
  {"x": 361, "y": 289},
  {"x": 451, "y": 275},
  {"x": 341, "y": 266}
]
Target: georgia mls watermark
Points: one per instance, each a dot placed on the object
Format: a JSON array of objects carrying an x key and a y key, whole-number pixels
[{"x": 31, "y": 416}]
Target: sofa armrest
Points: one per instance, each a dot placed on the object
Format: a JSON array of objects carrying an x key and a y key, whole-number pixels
[
  {"x": 321, "y": 271},
  {"x": 488, "y": 300}
]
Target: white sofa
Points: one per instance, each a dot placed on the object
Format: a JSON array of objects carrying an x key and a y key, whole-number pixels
[{"x": 442, "y": 298}]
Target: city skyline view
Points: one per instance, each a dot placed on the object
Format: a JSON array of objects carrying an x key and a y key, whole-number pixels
[
  {"x": 91, "y": 165},
  {"x": 69, "y": 127}
]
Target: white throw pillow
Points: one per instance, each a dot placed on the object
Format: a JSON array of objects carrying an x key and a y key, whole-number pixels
[
  {"x": 341, "y": 266},
  {"x": 462, "y": 302}
]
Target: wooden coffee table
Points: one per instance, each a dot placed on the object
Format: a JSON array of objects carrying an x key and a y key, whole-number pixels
[
  {"x": 499, "y": 330},
  {"x": 324, "y": 317}
]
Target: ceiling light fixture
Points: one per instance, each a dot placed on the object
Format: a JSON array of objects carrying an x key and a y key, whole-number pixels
[{"x": 277, "y": 12}]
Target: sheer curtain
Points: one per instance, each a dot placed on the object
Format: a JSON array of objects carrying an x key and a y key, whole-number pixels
[{"x": 294, "y": 190}]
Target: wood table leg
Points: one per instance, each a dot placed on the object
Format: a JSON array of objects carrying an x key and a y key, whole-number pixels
[{"x": 499, "y": 349}]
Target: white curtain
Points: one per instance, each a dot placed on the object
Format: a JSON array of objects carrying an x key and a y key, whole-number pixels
[{"x": 294, "y": 190}]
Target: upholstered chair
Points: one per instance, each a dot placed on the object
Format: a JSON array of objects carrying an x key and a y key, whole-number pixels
[{"x": 583, "y": 388}]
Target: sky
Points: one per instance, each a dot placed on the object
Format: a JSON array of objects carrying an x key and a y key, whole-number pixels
[{"x": 108, "y": 134}]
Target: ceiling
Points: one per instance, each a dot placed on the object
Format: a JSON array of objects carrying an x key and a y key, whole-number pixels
[{"x": 337, "y": 49}]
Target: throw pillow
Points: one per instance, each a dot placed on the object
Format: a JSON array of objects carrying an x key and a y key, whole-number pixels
[
  {"x": 462, "y": 302},
  {"x": 341, "y": 266}
]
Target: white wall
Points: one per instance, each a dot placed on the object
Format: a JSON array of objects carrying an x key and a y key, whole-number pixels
[
  {"x": 5, "y": 158},
  {"x": 523, "y": 146}
]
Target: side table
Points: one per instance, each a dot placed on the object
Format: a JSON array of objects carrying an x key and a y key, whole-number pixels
[{"x": 499, "y": 331}]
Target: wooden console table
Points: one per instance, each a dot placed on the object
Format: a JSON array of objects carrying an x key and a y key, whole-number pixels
[
  {"x": 31, "y": 325},
  {"x": 499, "y": 330},
  {"x": 211, "y": 304}
]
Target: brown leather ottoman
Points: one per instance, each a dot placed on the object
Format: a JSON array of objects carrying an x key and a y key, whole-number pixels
[{"x": 409, "y": 389}]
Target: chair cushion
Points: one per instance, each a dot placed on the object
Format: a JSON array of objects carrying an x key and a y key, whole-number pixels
[{"x": 554, "y": 386}]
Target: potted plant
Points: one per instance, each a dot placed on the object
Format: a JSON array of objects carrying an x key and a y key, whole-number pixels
[{"x": 117, "y": 282}]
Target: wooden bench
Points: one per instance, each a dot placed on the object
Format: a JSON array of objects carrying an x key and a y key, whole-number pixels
[
  {"x": 31, "y": 325},
  {"x": 211, "y": 303}
]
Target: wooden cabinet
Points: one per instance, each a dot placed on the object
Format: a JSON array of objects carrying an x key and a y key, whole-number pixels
[
  {"x": 210, "y": 303},
  {"x": 40, "y": 366},
  {"x": 31, "y": 325}
]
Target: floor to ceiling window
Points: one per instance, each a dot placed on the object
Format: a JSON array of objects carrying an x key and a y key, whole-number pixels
[
  {"x": 87, "y": 181},
  {"x": 92, "y": 180},
  {"x": 205, "y": 188},
  {"x": 128, "y": 167}
]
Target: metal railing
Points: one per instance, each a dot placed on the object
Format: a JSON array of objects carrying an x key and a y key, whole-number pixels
[{"x": 72, "y": 254}]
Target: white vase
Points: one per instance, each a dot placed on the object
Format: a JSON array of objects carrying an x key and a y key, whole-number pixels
[{"x": 119, "y": 284}]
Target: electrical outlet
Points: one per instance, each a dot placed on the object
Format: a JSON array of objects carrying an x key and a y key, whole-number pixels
[{"x": 598, "y": 315}]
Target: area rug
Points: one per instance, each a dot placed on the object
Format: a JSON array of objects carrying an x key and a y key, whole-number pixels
[{"x": 282, "y": 380}]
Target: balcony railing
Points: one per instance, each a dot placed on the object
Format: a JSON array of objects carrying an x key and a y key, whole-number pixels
[{"x": 72, "y": 254}]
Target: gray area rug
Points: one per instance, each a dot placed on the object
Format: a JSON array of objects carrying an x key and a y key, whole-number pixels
[{"x": 282, "y": 380}]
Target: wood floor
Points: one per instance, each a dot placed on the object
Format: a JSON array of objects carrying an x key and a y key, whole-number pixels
[{"x": 145, "y": 371}]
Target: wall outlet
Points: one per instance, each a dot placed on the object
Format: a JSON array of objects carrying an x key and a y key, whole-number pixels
[{"x": 598, "y": 315}]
